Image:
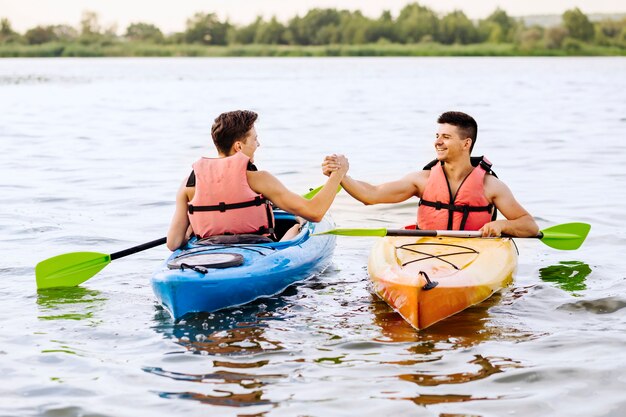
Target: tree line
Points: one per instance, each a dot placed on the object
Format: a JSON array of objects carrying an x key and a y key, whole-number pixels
[{"x": 415, "y": 24}]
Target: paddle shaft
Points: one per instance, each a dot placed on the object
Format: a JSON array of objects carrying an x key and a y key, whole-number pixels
[
  {"x": 448, "y": 233},
  {"x": 138, "y": 248}
]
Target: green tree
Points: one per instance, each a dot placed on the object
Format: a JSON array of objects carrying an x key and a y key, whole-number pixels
[
  {"x": 317, "y": 27},
  {"x": 553, "y": 37},
  {"x": 578, "y": 25},
  {"x": 7, "y": 34},
  {"x": 607, "y": 31},
  {"x": 89, "y": 24},
  {"x": 52, "y": 33},
  {"x": 499, "y": 27},
  {"x": 246, "y": 34},
  {"x": 354, "y": 28},
  {"x": 416, "y": 22},
  {"x": 65, "y": 33},
  {"x": 206, "y": 29},
  {"x": 529, "y": 38},
  {"x": 272, "y": 33},
  {"x": 144, "y": 32},
  {"x": 91, "y": 31},
  {"x": 39, "y": 35},
  {"x": 382, "y": 29},
  {"x": 455, "y": 27}
]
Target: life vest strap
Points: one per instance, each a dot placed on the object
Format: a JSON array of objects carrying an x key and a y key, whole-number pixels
[
  {"x": 263, "y": 231},
  {"x": 438, "y": 205},
  {"x": 474, "y": 160},
  {"x": 222, "y": 206},
  {"x": 465, "y": 209}
]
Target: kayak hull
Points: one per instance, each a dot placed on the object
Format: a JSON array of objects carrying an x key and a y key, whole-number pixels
[
  {"x": 267, "y": 270},
  {"x": 466, "y": 272}
]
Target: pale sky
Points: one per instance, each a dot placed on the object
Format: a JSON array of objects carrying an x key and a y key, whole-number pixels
[{"x": 170, "y": 15}]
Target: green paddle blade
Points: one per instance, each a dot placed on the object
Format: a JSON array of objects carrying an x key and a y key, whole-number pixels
[
  {"x": 567, "y": 236},
  {"x": 69, "y": 269},
  {"x": 354, "y": 232},
  {"x": 314, "y": 191}
]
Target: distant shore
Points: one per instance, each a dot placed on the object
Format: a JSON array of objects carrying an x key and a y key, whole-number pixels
[
  {"x": 54, "y": 50},
  {"x": 415, "y": 31}
]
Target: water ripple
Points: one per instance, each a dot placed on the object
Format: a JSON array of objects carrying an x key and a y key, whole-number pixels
[{"x": 606, "y": 305}]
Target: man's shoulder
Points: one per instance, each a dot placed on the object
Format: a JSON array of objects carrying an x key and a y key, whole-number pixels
[
  {"x": 419, "y": 176},
  {"x": 417, "y": 180},
  {"x": 492, "y": 180},
  {"x": 261, "y": 174},
  {"x": 261, "y": 181},
  {"x": 494, "y": 186}
]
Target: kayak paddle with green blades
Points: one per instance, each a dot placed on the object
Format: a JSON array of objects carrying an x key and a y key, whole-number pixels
[
  {"x": 71, "y": 269},
  {"x": 74, "y": 268},
  {"x": 567, "y": 236}
]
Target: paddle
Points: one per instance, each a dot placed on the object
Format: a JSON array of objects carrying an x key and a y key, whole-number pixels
[
  {"x": 567, "y": 236},
  {"x": 313, "y": 191},
  {"x": 71, "y": 269},
  {"x": 74, "y": 268}
]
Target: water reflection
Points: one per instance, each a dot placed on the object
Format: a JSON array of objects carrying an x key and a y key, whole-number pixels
[
  {"x": 73, "y": 303},
  {"x": 487, "y": 366},
  {"x": 428, "y": 399},
  {"x": 465, "y": 329},
  {"x": 567, "y": 275},
  {"x": 225, "y": 396},
  {"x": 239, "y": 330},
  {"x": 235, "y": 333},
  {"x": 432, "y": 346}
]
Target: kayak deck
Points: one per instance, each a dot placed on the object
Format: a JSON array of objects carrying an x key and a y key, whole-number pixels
[
  {"x": 264, "y": 269},
  {"x": 466, "y": 272}
]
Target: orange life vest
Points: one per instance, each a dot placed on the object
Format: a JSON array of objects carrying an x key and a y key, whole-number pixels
[
  {"x": 468, "y": 210},
  {"x": 224, "y": 203}
]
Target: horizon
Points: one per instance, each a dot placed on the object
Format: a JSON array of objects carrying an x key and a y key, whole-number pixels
[{"x": 26, "y": 14}]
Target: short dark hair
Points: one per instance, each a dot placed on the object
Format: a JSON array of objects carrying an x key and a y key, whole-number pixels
[
  {"x": 466, "y": 124},
  {"x": 230, "y": 127}
]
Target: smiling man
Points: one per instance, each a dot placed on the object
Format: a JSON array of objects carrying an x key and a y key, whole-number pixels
[{"x": 456, "y": 191}]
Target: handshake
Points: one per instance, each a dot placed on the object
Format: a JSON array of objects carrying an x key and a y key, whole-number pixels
[{"x": 335, "y": 163}]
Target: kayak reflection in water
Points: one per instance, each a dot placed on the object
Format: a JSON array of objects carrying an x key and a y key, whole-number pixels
[
  {"x": 228, "y": 195},
  {"x": 456, "y": 191}
]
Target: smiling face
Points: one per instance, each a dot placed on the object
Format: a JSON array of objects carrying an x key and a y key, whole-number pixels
[{"x": 450, "y": 143}]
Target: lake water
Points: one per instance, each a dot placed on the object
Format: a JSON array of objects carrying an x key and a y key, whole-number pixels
[{"x": 93, "y": 151}]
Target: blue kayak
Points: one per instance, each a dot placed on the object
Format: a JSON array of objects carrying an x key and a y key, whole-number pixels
[{"x": 226, "y": 271}]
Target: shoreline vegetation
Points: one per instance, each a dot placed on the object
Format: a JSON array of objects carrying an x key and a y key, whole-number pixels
[{"x": 416, "y": 31}]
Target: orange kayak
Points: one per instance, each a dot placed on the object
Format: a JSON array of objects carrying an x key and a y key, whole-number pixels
[{"x": 426, "y": 279}]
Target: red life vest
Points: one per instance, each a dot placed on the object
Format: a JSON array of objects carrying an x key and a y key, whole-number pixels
[
  {"x": 224, "y": 203},
  {"x": 468, "y": 210}
]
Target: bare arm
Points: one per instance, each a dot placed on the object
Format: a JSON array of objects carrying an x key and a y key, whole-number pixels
[
  {"x": 313, "y": 210},
  {"x": 389, "y": 192},
  {"x": 518, "y": 221},
  {"x": 179, "y": 230}
]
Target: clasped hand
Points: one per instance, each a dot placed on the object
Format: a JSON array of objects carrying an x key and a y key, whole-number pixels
[{"x": 335, "y": 163}]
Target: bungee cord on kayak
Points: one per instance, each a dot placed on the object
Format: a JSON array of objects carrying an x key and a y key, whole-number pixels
[{"x": 408, "y": 247}]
